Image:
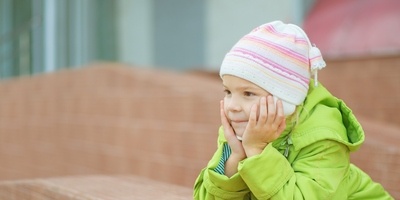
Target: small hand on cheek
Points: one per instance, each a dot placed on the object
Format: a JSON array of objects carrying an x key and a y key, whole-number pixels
[
  {"x": 265, "y": 128},
  {"x": 236, "y": 145}
]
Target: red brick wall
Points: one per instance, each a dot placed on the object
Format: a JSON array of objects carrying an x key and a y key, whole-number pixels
[
  {"x": 370, "y": 86},
  {"x": 108, "y": 119},
  {"x": 113, "y": 119}
]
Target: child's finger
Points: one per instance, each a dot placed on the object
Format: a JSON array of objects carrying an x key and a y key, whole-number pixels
[
  {"x": 229, "y": 133},
  {"x": 280, "y": 115},
  {"x": 280, "y": 120},
  {"x": 262, "y": 116},
  {"x": 253, "y": 116},
  {"x": 281, "y": 126},
  {"x": 224, "y": 120},
  {"x": 271, "y": 110}
]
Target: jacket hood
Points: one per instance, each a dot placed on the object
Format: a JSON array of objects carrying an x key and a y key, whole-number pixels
[{"x": 324, "y": 117}]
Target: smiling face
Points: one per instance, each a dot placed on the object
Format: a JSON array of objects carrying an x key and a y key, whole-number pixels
[{"x": 240, "y": 96}]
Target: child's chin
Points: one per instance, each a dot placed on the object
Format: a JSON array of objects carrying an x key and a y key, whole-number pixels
[{"x": 239, "y": 135}]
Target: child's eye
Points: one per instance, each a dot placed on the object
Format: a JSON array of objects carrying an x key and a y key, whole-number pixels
[
  {"x": 249, "y": 94},
  {"x": 227, "y": 92}
]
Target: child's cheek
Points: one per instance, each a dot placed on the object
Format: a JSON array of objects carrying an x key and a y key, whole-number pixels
[
  {"x": 226, "y": 103},
  {"x": 248, "y": 110}
]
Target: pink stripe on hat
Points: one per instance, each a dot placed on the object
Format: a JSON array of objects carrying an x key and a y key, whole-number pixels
[
  {"x": 269, "y": 64},
  {"x": 287, "y": 51},
  {"x": 287, "y": 35}
]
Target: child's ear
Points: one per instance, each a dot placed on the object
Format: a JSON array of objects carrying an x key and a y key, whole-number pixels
[{"x": 288, "y": 108}]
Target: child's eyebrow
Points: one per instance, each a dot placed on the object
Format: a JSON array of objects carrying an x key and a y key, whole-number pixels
[
  {"x": 242, "y": 87},
  {"x": 245, "y": 87}
]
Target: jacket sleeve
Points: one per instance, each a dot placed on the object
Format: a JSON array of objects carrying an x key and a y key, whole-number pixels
[
  {"x": 212, "y": 185},
  {"x": 315, "y": 173}
]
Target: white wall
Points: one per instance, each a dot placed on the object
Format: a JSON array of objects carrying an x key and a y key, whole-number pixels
[
  {"x": 225, "y": 22},
  {"x": 228, "y": 20}
]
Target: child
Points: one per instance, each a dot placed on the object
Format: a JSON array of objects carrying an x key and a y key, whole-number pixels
[{"x": 283, "y": 136}]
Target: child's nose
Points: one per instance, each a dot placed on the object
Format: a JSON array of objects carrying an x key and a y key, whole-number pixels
[{"x": 234, "y": 104}]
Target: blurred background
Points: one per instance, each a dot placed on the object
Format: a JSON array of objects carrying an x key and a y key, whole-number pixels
[
  {"x": 88, "y": 86},
  {"x": 45, "y": 35}
]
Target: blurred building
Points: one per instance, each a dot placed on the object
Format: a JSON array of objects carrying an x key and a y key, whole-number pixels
[
  {"x": 355, "y": 29},
  {"x": 44, "y": 35},
  {"x": 39, "y": 36},
  {"x": 359, "y": 42}
]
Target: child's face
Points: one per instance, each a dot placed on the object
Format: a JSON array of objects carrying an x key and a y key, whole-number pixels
[{"x": 240, "y": 96}]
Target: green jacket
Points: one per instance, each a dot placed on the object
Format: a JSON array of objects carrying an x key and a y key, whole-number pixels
[{"x": 317, "y": 165}]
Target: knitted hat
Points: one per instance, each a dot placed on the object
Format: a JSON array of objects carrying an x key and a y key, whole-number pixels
[{"x": 277, "y": 57}]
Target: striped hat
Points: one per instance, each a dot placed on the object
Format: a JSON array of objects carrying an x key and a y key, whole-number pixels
[{"x": 277, "y": 57}]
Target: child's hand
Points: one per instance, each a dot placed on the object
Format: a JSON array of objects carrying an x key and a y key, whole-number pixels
[
  {"x": 267, "y": 128},
  {"x": 234, "y": 143}
]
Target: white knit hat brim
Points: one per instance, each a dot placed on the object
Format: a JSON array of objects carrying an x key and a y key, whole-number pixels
[{"x": 258, "y": 74}]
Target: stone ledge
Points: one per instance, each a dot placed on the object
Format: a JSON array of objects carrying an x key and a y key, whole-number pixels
[{"x": 92, "y": 187}]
